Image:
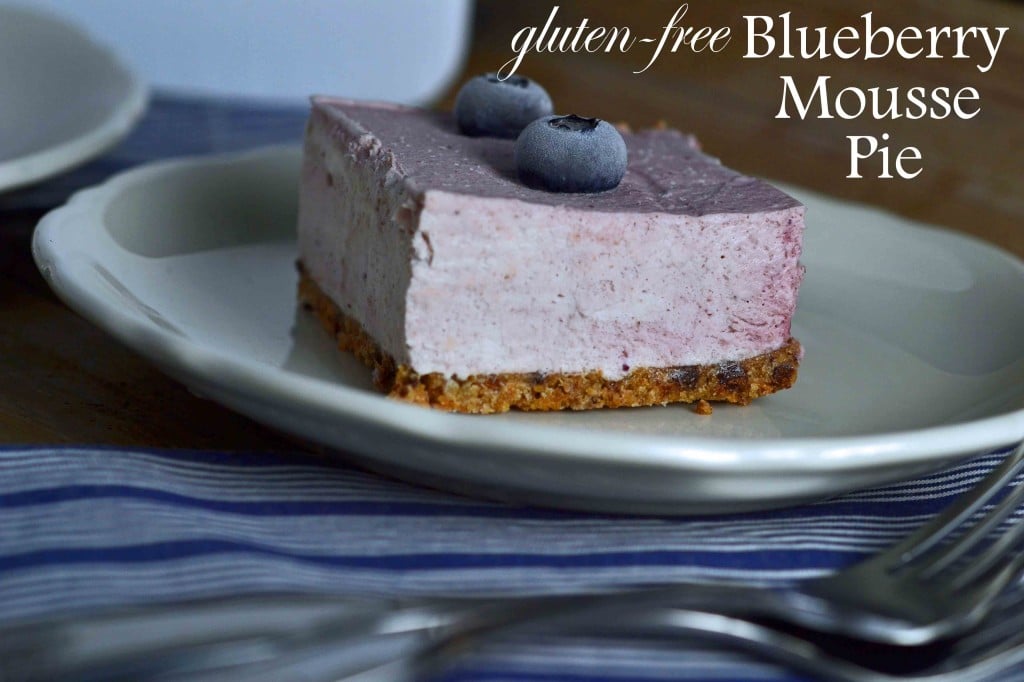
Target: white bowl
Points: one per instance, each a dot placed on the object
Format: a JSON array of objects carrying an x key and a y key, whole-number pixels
[
  {"x": 397, "y": 50},
  {"x": 63, "y": 98}
]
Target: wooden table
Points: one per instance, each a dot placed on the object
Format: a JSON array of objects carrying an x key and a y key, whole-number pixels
[{"x": 64, "y": 381}]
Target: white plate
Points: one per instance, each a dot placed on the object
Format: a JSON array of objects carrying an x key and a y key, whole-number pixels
[
  {"x": 63, "y": 98},
  {"x": 913, "y": 343}
]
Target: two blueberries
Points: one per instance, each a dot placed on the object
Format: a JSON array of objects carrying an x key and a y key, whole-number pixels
[{"x": 554, "y": 153}]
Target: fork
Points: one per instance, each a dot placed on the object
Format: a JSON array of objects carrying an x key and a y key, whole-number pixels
[
  {"x": 936, "y": 583},
  {"x": 991, "y": 650},
  {"x": 940, "y": 581}
]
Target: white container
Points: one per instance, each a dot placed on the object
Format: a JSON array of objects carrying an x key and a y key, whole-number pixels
[{"x": 396, "y": 50}]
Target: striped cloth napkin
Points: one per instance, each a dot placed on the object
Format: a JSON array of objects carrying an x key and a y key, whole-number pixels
[{"x": 87, "y": 528}]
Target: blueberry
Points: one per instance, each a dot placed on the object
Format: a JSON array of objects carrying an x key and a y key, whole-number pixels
[
  {"x": 571, "y": 154},
  {"x": 499, "y": 108}
]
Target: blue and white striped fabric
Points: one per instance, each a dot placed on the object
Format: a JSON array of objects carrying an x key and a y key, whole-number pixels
[{"x": 86, "y": 528}]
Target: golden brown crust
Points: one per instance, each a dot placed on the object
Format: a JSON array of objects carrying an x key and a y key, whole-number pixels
[{"x": 735, "y": 382}]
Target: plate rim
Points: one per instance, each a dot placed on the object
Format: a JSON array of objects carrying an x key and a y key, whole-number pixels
[
  {"x": 29, "y": 169},
  {"x": 187, "y": 358}
]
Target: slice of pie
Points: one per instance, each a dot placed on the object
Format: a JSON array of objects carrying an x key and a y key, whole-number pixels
[{"x": 464, "y": 289}]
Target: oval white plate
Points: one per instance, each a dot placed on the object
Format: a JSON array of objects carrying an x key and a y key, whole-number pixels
[
  {"x": 63, "y": 98},
  {"x": 913, "y": 343}
]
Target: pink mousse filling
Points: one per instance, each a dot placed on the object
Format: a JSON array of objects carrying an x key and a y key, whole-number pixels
[{"x": 427, "y": 239}]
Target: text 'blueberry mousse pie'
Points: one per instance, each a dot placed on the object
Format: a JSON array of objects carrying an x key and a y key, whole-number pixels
[{"x": 502, "y": 257}]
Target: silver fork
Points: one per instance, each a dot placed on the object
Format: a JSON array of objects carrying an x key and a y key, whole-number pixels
[
  {"x": 990, "y": 651},
  {"x": 940, "y": 581}
]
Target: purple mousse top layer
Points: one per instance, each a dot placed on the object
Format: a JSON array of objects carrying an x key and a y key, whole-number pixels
[{"x": 667, "y": 173}]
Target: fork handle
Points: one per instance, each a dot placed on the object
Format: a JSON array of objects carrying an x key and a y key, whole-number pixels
[
  {"x": 268, "y": 638},
  {"x": 139, "y": 642},
  {"x": 204, "y": 634}
]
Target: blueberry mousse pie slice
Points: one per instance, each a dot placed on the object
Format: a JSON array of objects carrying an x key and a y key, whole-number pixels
[{"x": 479, "y": 273}]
